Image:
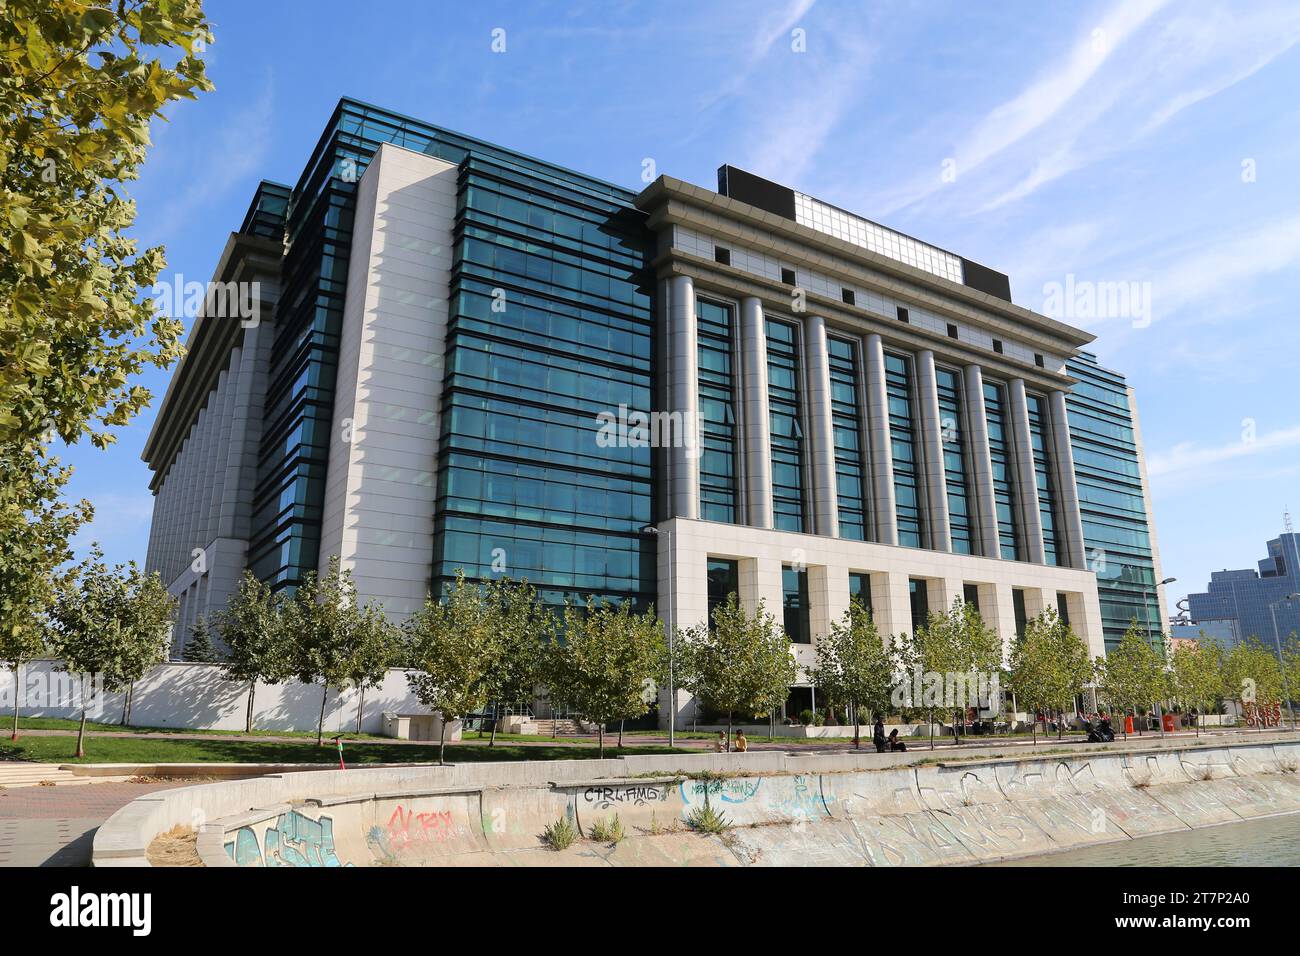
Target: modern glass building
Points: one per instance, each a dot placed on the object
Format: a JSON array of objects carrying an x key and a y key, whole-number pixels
[
  {"x": 470, "y": 359},
  {"x": 1244, "y": 603}
]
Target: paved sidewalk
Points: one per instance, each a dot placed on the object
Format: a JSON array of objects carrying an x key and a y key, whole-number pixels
[{"x": 55, "y": 826}]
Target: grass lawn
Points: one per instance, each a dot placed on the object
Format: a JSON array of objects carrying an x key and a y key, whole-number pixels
[{"x": 153, "y": 750}]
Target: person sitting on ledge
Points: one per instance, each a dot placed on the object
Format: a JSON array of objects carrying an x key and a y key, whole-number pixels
[
  {"x": 742, "y": 744},
  {"x": 720, "y": 745},
  {"x": 894, "y": 742}
]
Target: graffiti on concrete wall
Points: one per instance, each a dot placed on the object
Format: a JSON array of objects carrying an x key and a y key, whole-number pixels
[
  {"x": 638, "y": 795},
  {"x": 294, "y": 840},
  {"x": 409, "y": 831}
]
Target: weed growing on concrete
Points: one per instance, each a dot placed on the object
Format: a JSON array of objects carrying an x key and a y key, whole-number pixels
[
  {"x": 707, "y": 820},
  {"x": 1139, "y": 781},
  {"x": 560, "y": 835},
  {"x": 609, "y": 830}
]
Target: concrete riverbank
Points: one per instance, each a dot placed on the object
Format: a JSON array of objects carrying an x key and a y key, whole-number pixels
[{"x": 783, "y": 809}]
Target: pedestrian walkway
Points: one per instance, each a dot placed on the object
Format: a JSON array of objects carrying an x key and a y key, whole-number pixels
[
  {"x": 15, "y": 774},
  {"x": 55, "y": 826}
]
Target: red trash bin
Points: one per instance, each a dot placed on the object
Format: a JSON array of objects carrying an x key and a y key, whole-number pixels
[
  {"x": 1128, "y": 723},
  {"x": 1169, "y": 723}
]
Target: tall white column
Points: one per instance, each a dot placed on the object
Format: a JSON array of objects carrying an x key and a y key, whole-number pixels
[
  {"x": 883, "y": 502},
  {"x": 936, "y": 488},
  {"x": 758, "y": 424},
  {"x": 1031, "y": 519},
  {"x": 683, "y": 358},
  {"x": 977, "y": 431},
  {"x": 1072, "y": 548},
  {"x": 821, "y": 428}
]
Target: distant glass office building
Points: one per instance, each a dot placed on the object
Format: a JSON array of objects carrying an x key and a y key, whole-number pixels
[
  {"x": 471, "y": 359},
  {"x": 1240, "y": 600}
]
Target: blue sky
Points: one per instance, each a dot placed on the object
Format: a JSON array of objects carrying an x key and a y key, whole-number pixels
[{"x": 1147, "y": 143}]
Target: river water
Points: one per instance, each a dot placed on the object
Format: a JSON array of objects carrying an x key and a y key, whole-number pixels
[{"x": 1273, "y": 841}]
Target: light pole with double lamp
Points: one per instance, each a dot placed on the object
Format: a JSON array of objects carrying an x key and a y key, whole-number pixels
[
  {"x": 1277, "y": 639},
  {"x": 1151, "y": 593},
  {"x": 672, "y": 631}
]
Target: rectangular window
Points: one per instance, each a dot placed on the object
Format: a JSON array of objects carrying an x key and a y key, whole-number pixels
[
  {"x": 788, "y": 276},
  {"x": 954, "y": 459},
  {"x": 919, "y": 597},
  {"x": 1063, "y": 607},
  {"x": 997, "y": 346},
  {"x": 902, "y": 314},
  {"x": 785, "y": 411},
  {"x": 846, "y": 426},
  {"x": 724, "y": 581},
  {"x": 1039, "y": 436},
  {"x": 1004, "y": 497},
  {"x": 902, "y": 436},
  {"x": 860, "y": 588},
  {"x": 1038, "y": 360},
  {"x": 1018, "y": 604},
  {"x": 848, "y": 296},
  {"x": 952, "y": 331},
  {"x": 722, "y": 255},
  {"x": 717, "y": 411},
  {"x": 794, "y": 604},
  {"x": 970, "y": 593}
]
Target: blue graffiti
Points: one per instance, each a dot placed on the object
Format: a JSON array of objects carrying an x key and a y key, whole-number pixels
[{"x": 295, "y": 840}]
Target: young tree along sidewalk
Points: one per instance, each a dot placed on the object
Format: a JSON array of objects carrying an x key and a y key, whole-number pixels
[
  {"x": 1049, "y": 667},
  {"x": 252, "y": 627},
  {"x": 855, "y": 666}
]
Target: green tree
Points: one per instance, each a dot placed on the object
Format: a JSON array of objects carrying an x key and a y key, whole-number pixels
[
  {"x": 1133, "y": 673},
  {"x": 79, "y": 87},
  {"x": 854, "y": 665},
  {"x": 953, "y": 644},
  {"x": 199, "y": 648},
  {"x": 742, "y": 663},
  {"x": 253, "y": 628},
  {"x": 334, "y": 640},
  {"x": 37, "y": 526},
  {"x": 113, "y": 622},
  {"x": 1252, "y": 674},
  {"x": 452, "y": 645},
  {"x": 603, "y": 659},
  {"x": 1196, "y": 676},
  {"x": 522, "y": 629},
  {"x": 1049, "y": 666}
]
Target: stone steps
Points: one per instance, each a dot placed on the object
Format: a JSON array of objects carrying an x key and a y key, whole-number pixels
[{"x": 24, "y": 774}]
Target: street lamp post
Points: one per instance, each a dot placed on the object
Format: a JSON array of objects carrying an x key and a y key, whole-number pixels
[
  {"x": 1151, "y": 592},
  {"x": 1277, "y": 640},
  {"x": 672, "y": 632}
]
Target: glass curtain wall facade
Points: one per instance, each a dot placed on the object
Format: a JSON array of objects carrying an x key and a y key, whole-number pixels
[
  {"x": 1111, "y": 502},
  {"x": 948, "y": 385},
  {"x": 1039, "y": 436},
  {"x": 846, "y": 428},
  {"x": 1004, "y": 495},
  {"x": 715, "y": 333},
  {"x": 899, "y": 387},
  {"x": 785, "y": 412},
  {"x": 523, "y": 385}
]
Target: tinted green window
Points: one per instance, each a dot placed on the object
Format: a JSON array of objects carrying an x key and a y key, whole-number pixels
[
  {"x": 784, "y": 406},
  {"x": 1004, "y": 497},
  {"x": 956, "y": 481},
  {"x": 902, "y": 436},
  {"x": 1045, "y": 481},
  {"x": 860, "y": 588},
  {"x": 846, "y": 427},
  {"x": 714, "y": 322},
  {"x": 794, "y": 604},
  {"x": 724, "y": 581}
]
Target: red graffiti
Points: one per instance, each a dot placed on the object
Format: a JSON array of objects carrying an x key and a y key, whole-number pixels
[
  {"x": 406, "y": 828},
  {"x": 1263, "y": 715}
]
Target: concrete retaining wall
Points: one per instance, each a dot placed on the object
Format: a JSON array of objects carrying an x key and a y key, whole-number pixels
[{"x": 832, "y": 809}]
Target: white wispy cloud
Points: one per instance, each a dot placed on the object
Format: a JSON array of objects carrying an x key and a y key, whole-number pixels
[{"x": 1187, "y": 458}]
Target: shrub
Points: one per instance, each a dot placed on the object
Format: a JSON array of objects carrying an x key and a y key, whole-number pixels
[
  {"x": 806, "y": 717},
  {"x": 707, "y": 820},
  {"x": 560, "y": 835},
  {"x": 609, "y": 830}
]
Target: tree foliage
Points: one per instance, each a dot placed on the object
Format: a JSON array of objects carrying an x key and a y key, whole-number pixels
[
  {"x": 1196, "y": 675},
  {"x": 79, "y": 86},
  {"x": 854, "y": 666},
  {"x": 111, "y": 622},
  {"x": 1049, "y": 664},
  {"x": 335, "y": 641},
  {"x": 199, "y": 649},
  {"x": 742, "y": 663},
  {"x": 955, "y": 642},
  {"x": 606, "y": 661},
  {"x": 453, "y": 646},
  {"x": 258, "y": 647},
  {"x": 1133, "y": 673},
  {"x": 1252, "y": 674},
  {"x": 522, "y": 626}
]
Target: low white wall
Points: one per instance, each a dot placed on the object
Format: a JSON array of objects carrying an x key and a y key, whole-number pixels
[{"x": 197, "y": 697}]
